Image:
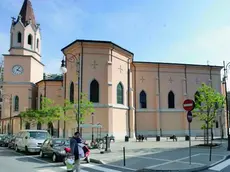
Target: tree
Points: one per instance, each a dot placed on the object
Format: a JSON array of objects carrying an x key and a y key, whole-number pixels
[
  {"x": 86, "y": 108},
  {"x": 207, "y": 104},
  {"x": 49, "y": 112}
]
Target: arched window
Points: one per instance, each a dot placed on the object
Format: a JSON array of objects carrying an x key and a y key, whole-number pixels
[
  {"x": 19, "y": 37},
  {"x": 30, "y": 39},
  {"x": 143, "y": 99},
  {"x": 37, "y": 43},
  {"x": 39, "y": 126},
  {"x": 27, "y": 127},
  {"x": 16, "y": 103},
  {"x": 41, "y": 101},
  {"x": 171, "y": 100},
  {"x": 196, "y": 98},
  {"x": 71, "y": 93},
  {"x": 94, "y": 91},
  {"x": 120, "y": 94}
]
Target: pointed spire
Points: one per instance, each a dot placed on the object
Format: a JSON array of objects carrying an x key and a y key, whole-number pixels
[{"x": 27, "y": 13}]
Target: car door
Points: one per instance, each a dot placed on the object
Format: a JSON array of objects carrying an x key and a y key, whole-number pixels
[
  {"x": 44, "y": 146},
  {"x": 49, "y": 147}
]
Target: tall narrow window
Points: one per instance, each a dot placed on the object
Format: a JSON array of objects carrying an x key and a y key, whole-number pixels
[
  {"x": 27, "y": 126},
  {"x": 143, "y": 99},
  {"x": 196, "y": 98},
  {"x": 39, "y": 126},
  {"x": 37, "y": 43},
  {"x": 19, "y": 37},
  {"x": 16, "y": 103},
  {"x": 171, "y": 100},
  {"x": 30, "y": 39},
  {"x": 40, "y": 101},
  {"x": 94, "y": 91},
  {"x": 71, "y": 93},
  {"x": 120, "y": 94}
]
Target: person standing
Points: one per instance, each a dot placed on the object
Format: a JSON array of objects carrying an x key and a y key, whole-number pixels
[{"x": 74, "y": 150}]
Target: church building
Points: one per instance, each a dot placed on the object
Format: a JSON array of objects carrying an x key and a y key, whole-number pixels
[{"x": 130, "y": 97}]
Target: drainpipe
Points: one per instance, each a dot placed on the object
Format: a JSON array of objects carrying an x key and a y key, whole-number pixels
[
  {"x": 135, "y": 98},
  {"x": 159, "y": 96},
  {"x": 128, "y": 101}
]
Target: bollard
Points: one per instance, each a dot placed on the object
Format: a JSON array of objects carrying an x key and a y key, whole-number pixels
[
  {"x": 107, "y": 144},
  {"x": 124, "y": 155}
]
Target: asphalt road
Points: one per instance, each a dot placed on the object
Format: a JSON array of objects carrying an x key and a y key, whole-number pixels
[
  {"x": 12, "y": 161},
  {"x": 222, "y": 167}
]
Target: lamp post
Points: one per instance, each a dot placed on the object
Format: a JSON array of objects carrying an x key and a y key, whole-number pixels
[
  {"x": 73, "y": 58},
  {"x": 92, "y": 126},
  {"x": 9, "y": 98},
  {"x": 226, "y": 99}
]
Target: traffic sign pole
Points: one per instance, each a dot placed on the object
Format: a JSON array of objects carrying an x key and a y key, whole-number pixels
[{"x": 190, "y": 156}]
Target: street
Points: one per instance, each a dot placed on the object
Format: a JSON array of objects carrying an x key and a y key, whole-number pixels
[
  {"x": 13, "y": 162},
  {"x": 223, "y": 167}
]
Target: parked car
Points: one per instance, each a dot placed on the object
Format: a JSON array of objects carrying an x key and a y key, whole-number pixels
[
  {"x": 11, "y": 141},
  {"x": 30, "y": 141},
  {"x": 55, "y": 148},
  {"x": 4, "y": 139}
]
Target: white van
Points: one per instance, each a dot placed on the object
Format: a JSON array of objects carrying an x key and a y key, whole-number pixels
[{"x": 30, "y": 140}]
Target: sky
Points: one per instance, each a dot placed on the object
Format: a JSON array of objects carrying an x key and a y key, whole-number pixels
[{"x": 185, "y": 31}]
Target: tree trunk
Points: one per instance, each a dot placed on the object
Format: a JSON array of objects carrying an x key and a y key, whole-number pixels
[{"x": 207, "y": 132}]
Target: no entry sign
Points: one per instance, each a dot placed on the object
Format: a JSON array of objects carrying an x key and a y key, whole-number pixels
[
  {"x": 189, "y": 116},
  {"x": 188, "y": 105}
]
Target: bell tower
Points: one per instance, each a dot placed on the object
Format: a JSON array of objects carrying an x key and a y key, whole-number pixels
[
  {"x": 22, "y": 67},
  {"x": 25, "y": 37}
]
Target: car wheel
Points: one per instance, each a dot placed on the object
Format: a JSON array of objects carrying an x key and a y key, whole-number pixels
[
  {"x": 54, "y": 157},
  {"x": 41, "y": 154}
]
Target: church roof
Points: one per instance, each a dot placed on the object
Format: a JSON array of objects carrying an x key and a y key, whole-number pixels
[
  {"x": 97, "y": 41},
  {"x": 27, "y": 13}
]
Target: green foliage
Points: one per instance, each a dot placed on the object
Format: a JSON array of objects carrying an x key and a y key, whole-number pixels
[
  {"x": 50, "y": 112},
  {"x": 86, "y": 108},
  {"x": 208, "y": 102}
]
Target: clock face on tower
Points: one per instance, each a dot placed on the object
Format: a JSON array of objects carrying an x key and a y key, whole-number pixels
[{"x": 17, "y": 70}]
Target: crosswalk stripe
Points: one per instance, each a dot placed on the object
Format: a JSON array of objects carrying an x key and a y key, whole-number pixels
[
  {"x": 100, "y": 168},
  {"x": 220, "y": 166},
  {"x": 80, "y": 170},
  {"x": 96, "y": 167}
]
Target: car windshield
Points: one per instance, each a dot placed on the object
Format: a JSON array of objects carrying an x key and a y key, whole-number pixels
[
  {"x": 60, "y": 142},
  {"x": 38, "y": 135}
]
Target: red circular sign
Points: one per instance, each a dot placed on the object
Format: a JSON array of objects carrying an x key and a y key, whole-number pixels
[{"x": 188, "y": 105}]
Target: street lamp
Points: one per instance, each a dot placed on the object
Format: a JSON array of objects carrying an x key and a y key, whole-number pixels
[
  {"x": 73, "y": 58},
  {"x": 9, "y": 98},
  {"x": 92, "y": 126},
  {"x": 226, "y": 99}
]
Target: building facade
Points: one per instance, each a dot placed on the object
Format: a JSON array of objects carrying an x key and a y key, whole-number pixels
[{"x": 130, "y": 97}]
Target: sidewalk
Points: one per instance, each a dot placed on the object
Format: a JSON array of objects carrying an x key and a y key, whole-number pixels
[{"x": 163, "y": 155}]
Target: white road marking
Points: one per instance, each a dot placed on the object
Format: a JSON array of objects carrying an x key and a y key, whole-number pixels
[
  {"x": 176, "y": 160},
  {"x": 126, "y": 168},
  {"x": 220, "y": 166},
  {"x": 80, "y": 169},
  {"x": 96, "y": 167},
  {"x": 45, "y": 170}
]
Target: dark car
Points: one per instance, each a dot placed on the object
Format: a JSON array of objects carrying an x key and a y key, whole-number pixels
[
  {"x": 55, "y": 148},
  {"x": 11, "y": 142},
  {"x": 4, "y": 139}
]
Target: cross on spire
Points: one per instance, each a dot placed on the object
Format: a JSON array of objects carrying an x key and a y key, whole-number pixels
[
  {"x": 170, "y": 80},
  {"x": 142, "y": 79},
  {"x": 94, "y": 65},
  {"x": 120, "y": 69}
]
